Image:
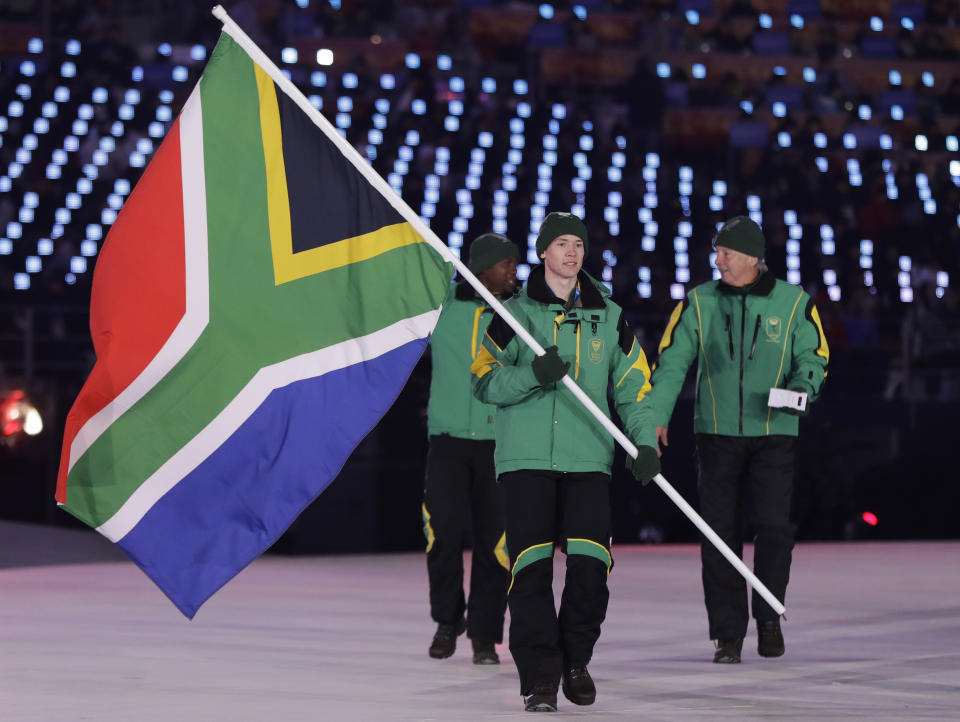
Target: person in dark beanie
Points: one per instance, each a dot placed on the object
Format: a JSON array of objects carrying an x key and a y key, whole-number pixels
[
  {"x": 553, "y": 458},
  {"x": 749, "y": 333},
  {"x": 460, "y": 488}
]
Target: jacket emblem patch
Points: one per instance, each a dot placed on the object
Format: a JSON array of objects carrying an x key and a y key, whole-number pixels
[
  {"x": 773, "y": 328},
  {"x": 596, "y": 350}
]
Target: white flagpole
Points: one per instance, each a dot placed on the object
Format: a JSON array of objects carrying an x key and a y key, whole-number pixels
[{"x": 392, "y": 197}]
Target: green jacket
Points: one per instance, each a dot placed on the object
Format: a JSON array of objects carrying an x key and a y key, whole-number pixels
[
  {"x": 452, "y": 408},
  {"x": 745, "y": 341},
  {"x": 546, "y": 427}
]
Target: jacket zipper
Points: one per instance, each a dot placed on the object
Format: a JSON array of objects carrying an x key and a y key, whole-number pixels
[
  {"x": 730, "y": 336},
  {"x": 756, "y": 330},
  {"x": 743, "y": 329}
]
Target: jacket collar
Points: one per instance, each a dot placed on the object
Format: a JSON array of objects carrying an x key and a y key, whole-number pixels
[
  {"x": 761, "y": 287},
  {"x": 538, "y": 290}
]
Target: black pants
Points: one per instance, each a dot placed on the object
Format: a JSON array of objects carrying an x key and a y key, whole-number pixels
[
  {"x": 729, "y": 465},
  {"x": 573, "y": 510},
  {"x": 461, "y": 492}
]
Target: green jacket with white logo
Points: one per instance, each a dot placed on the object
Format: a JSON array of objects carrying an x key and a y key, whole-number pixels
[
  {"x": 546, "y": 427},
  {"x": 452, "y": 408},
  {"x": 745, "y": 341}
]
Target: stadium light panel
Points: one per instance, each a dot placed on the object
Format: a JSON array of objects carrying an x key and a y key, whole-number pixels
[
  {"x": 809, "y": 75},
  {"x": 614, "y": 175},
  {"x": 699, "y": 71},
  {"x": 523, "y": 110},
  {"x": 927, "y": 78},
  {"x": 546, "y": 11},
  {"x": 820, "y": 140},
  {"x": 783, "y": 139},
  {"x": 746, "y": 106},
  {"x": 907, "y": 23},
  {"x": 920, "y": 142},
  {"x": 457, "y": 85},
  {"x": 693, "y": 17},
  {"x": 418, "y": 106},
  {"x": 289, "y": 56},
  {"x": 349, "y": 81},
  {"x": 53, "y": 171},
  {"x": 444, "y": 62},
  {"x": 896, "y": 112},
  {"x": 485, "y": 140},
  {"x": 797, "y": 21},
  {"x": 849, "y": 141},
  {"x": 864, "y": 112},
  {"x": 766, "y": 22},
  {"x": 488, "y": 85},
  {"x": 586, "y": 143},
  {"x": 520, "y": 87},
  {"x": 25, "y": 215},
  {"x": 648, "y": 244},
  {"x": 876, "y": 24},
  {"x": 663, "y": 70},
  {"x": 325, "y": 57}
]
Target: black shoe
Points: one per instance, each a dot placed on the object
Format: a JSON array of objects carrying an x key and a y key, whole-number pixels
[
  {"x": 484, "y": 652},
  {"x": 770, "y": 639},
  {"x": 578, "y": 686},
  {"x": 728, "y": 651},
  {"x": 542, "y": 698},
  {"x": 444, "y": 642}
]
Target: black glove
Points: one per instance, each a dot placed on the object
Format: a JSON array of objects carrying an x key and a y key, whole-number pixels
[
  {"x": 797, "y": 412},
  {"x": 646, "y": 465},
  {"x": 549, "y": 367}
]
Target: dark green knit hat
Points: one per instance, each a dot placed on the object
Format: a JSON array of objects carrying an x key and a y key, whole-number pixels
[
  {"x": 489, "y": 249},
  {"x": 742, "y": 234},
  {"x": 557, "y": 224}
]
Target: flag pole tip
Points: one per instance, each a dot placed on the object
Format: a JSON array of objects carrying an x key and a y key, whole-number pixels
[{"x": 218, "y": 12}]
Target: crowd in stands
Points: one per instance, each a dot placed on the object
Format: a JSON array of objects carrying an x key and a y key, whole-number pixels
[{"x": 834, "y": 123}]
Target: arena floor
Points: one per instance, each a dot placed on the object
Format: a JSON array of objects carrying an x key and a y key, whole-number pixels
[{"x": 873, "y": 632}]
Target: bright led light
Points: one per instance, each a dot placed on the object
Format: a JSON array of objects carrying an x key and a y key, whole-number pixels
[
  {"x": 849, "y": 141},
  {"x": 349, "y": 81},
  {"x": 920, "y": 142},
  {"x": 693, "y": 17},
  {"x": 766, "y": 21},
  {"x": 896, "y": 112},
  {"x": 699, "y": 70},
  {"x": 676, "y": 291},
  {"x": 325, "y": 57},
  {"x": 746, "y": 106},
  {"x": 663, "y": 70},
  {"x": 28, "y": 68},
  {"x": 78, "y": 264},
  {"x": 546, "y": 11},
  {"x": 457, "y": 85},
  {"x": 952, "y": 144},
  {"x": 927, "y": 78},
  {"x": 418, "y": 106},
  {"x": 753, "y": 203},
  {"x": 828, "y": 248},
  {"x": 906, "y": 295},
  {"x": 876, "y": 24},
  {"x": 779, "y": 109},
  {"x": 783, "y": 139},
  {"x": 21, "y": 281}
]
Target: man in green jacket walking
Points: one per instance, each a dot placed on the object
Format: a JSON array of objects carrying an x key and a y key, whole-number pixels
[
  {"x": 553, "y": 458},
  {"x": 460, "y": 488},
  {"x": 749, "y": 333}
]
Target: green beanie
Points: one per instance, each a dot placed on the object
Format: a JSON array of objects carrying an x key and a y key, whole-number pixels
[
  {"x": 557, "y": 224},
  {"x": 742, "y": 234},
  {"x": 489, "y": 249}
]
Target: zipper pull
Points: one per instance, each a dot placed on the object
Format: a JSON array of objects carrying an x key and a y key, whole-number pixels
[{"x": 756, "y": 330}]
